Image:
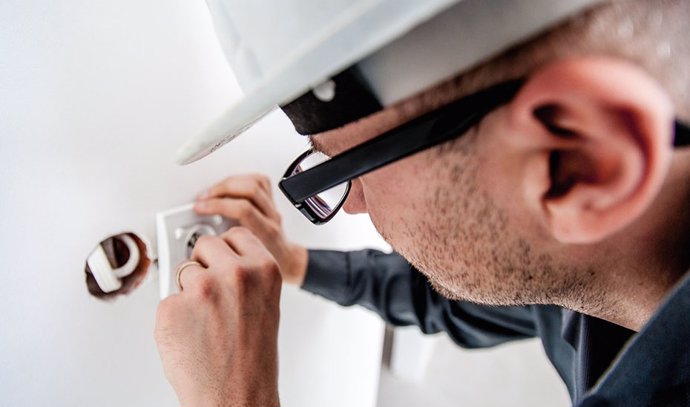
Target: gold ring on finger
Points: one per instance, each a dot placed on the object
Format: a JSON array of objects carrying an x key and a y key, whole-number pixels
[{"x": 181, "y": 267}]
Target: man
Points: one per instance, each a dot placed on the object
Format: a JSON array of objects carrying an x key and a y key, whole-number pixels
[{"x": 563, "y": 203}]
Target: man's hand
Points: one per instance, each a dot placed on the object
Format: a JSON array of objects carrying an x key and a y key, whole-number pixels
[
  {"x": 218, "y": 337},
  {"x": 248, "y": 199}
]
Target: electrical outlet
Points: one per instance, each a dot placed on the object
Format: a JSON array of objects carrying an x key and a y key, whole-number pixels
[{"x": 178, "y": 230}]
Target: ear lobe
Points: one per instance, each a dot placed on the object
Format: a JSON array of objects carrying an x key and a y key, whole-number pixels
[{"x": 604, "y": 128}]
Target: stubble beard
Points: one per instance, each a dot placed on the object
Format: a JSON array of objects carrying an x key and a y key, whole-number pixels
[{"x": 465, "y": 247}]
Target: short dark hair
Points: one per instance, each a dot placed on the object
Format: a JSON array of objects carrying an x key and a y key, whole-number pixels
[{"x": 651, "y": 34}]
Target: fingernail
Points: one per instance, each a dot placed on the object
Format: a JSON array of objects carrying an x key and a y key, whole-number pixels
[
  {"x": 202, "y": 195},
  {"x": 200, "y": 205}
]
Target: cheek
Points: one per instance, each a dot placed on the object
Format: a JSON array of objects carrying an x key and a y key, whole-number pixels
[
  {"x": 356, "y": 202},
  {"x": 395, "y": 195},
  {"x": 501, "y": 175}
]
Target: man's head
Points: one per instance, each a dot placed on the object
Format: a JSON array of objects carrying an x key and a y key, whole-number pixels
[{"x": 532, "y": 203}]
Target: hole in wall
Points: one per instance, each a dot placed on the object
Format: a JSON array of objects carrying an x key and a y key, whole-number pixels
[{"x": 117, "y": 266}]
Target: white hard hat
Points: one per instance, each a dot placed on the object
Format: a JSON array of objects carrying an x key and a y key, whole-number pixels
[{"x": 330, "y": 62}]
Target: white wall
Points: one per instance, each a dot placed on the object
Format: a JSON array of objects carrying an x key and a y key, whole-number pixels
[
  {"x": 516, "y": 374},
  {"x": 95, "y": 96}
]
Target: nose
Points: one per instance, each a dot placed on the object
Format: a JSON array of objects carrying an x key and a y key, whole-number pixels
[{"x": 355, "y": 202}]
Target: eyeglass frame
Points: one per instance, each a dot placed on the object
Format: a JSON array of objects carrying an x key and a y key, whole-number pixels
[{"x": 444, "y": 124}]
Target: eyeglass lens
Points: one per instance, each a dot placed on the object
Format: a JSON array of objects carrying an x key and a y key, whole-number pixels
[{"x": 324, "y": 203}]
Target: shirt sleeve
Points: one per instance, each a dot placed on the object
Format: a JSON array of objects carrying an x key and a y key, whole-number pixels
[{"x": 388, "y": 285}]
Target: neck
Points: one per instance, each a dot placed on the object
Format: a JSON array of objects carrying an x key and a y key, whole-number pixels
[
  {"x": 634, "y": 271},
  {"x": 633, "y": 296}
]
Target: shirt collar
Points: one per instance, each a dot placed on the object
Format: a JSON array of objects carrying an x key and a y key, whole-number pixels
[{"x": 657, "y": 359}]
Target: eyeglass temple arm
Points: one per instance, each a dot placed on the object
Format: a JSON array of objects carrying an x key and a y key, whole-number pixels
[
  {"x": 405, "y": 141},
  {"x": 426, "y": 131},
  {"x": 682, "y": 135}
]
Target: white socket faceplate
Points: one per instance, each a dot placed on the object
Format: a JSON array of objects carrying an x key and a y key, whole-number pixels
[{"x": 177, "y": 230}]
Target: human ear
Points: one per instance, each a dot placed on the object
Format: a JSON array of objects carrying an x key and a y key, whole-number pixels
[{"x": 596, "y": 134}]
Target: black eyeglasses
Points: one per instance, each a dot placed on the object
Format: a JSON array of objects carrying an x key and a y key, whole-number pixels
[{"x": 318, "y": 186}]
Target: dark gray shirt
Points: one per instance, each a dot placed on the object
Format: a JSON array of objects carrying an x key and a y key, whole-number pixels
[{"x": 602, "y": 364}]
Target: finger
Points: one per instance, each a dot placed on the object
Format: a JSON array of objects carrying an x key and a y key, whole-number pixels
[
  {"x": 212, "y": 250},
  {"x": 245, "y": 243},
  {"x": 244, "y": 212},
  {"x": 188, "y": 273},
  {"x": 259, "y": 201},
  {"x": 251, "y": 187},
  {"x": 263, "y": 181}
]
